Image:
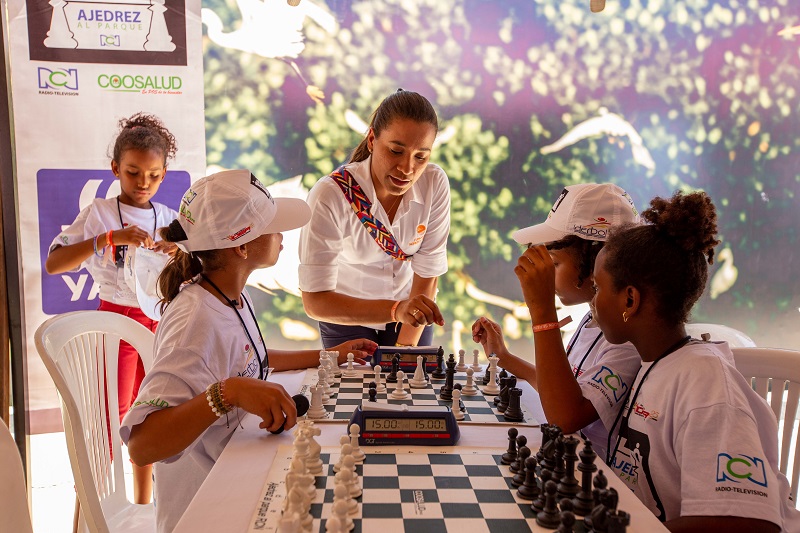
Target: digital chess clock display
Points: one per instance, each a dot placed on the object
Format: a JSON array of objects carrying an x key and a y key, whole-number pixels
[{"x": 405, "y": 424}]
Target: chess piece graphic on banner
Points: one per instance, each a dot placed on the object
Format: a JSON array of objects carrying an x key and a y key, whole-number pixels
[{"x": 158, "y": 39}]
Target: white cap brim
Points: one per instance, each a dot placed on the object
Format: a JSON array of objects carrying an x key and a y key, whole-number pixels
[
  {"x": 292, "y": 213},
  {"x": 538, "y": 234}
]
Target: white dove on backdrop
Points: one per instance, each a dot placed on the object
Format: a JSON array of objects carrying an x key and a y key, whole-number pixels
[
  {"x": 606, "y": 124},
  {"x": 725, "y": 276},
  {"x": 359, "y": 126},
  {"x": 271, "y": 28}
]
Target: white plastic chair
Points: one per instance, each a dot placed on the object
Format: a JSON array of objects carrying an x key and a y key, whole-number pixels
[
  {"x": 718, "y": 332},
  {"x": 13, "y": 494},
  {"x": 774, "y": 373},
  {"x": 80, "y": 351}
]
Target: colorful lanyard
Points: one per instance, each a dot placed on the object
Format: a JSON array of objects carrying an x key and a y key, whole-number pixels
[{"x": 362, "y": 206}]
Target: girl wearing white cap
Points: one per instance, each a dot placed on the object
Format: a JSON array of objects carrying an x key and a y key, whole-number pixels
[
  {"x": 210, "y": 357},
  {"x": 581, "y": 385},
  {"x": 377, "y": 241}
]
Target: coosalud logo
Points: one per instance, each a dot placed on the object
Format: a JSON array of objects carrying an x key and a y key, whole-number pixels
[
  {"x": 140, "y": 83},
  {"x": 58, "y": 79}
]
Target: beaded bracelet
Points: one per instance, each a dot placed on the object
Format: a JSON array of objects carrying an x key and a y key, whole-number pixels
[
  {"x": 394, "y": 309},
  {"x": 95, "y": 247},
  {"x": 215, "y": 394},
  {"x": 552, "y": 325}
]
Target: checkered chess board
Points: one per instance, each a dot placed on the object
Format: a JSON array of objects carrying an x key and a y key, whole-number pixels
[
  {"x": 351, "y": 392},
  {"x": 412, "y": 489}
]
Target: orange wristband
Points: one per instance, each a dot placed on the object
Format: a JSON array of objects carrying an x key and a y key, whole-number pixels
[
  {"x": 552, "y": 325},
  {"x": 109, "y": 238},
  {"x": 394, "y": 309}
]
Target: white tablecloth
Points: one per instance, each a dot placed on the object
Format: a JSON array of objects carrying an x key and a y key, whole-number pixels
[{"x": 227, "y": 499}]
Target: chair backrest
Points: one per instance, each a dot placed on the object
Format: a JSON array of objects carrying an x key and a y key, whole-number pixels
[
  {"x": 718, "y": 332},
  {"x": 774, "y": 374},
  {"x": 13, "y": 494},
  {"x": 80, "y": 351}
]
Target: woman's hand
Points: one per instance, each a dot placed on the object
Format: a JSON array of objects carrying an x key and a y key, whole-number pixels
[
  {"x": 489, "y": 335},
  {"x": 537, "y": 277},
  {"x": 165, "y": 247},
  {"x": 419, "y": 310},
  {"x": 132, "y": 236},
  {"x": 360, "y": 348},
  {"x": 265, "y": 399}
]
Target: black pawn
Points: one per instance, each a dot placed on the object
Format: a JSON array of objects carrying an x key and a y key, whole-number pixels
[
  {"x": 503, "y": 373},
  {"x": 600, "y": 483},
  {"x": 567, "y": 517},
  {"x": 549, "y": 516},
  {"x": 584, "y": 500},
  {"x": 618, "y": 521},
  {"x": 438, "y": 372},
  {"x": 597, "y": 521},
  {"x": 446, "y": 392},
  {"x": 511, "y": 382},
  {"x": 503, "y": 390},
  {"x": 568, "y": 486},
  {"x": 373, "y": 394},
  {"x": 519, "y": 478},
  {"x": 522, "y": 440},
  {"x": 544, "y": 428},
  {"x": 538, "y": 504},
  {"x": 514, "y": 411},
  {"x": 511, "y": 455},
  {"x": 529, "y": 490},
  {"x": 392, "y": 377},
  {"x": 558, "y": 469}
]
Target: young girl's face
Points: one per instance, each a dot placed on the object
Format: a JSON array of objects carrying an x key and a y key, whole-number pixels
[
  {"x": 568, "y": 276},
  {"x": 266, "y": 248},
  {"x": 140, "y": 173},
  {"x": 607, "y": 303}
]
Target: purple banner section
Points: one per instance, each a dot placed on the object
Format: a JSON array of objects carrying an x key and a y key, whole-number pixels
[{"x": 61, "y": 193}]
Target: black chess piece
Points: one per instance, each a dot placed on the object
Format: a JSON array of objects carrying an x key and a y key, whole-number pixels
[
  {"x": 503, "y": 373},
  {"x": 438, "y": 372},
  {"x": 597, "y": 521},
  {"x": 511, "y": 382},
  {"x": 522, "y": 440},
  {"x": 567, "y": 517},
  {"x": 549, "y": 516},
  {"x": 486, "y": 373},
  {"x": 568, "y": 486},
  {"x": 392, "y": 377},
  {"x": 538, "y": 504},
  {"x": 548, "y": 460},
  {"x": 373, "y": 394},
  {"x": 543, "y": 428},
  {"x": 499, "y": 397},
  {"x": 519, "y": 478},
  {"x": 600, "y": 483},
  {"x": 529, "y": 490},
  {"x": 446, "y": 392},
  {"x": 618, "y": 521},
  {"x": 558, "y": 461},
  {"x": 583, "y": 501},
  {"x": 511, "y": 454},
  {"x": 514, "y": 411}
]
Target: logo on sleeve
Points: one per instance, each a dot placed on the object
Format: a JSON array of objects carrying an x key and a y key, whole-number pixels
[
  {"x": 611, "y": 382},
  {"x": 741, "y": 469}
]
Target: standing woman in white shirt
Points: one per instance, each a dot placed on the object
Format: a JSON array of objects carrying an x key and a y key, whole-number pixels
[{"x": 371, "y": 256}]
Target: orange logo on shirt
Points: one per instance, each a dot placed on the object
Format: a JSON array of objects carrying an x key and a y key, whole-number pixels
[{"x": 421, "y": 228}]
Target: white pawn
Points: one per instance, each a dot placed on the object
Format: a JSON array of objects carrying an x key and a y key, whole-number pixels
[
  {"x": 289, "y": 523},
  {"x": 323, "y": 382},
  {"x": 380, "y": 386},
  {"x": 358, "y": 455},
  {"x": 333, "y": 357},
  {"x": 334, "y": 525},
  {"x": 418, "y": 380},
  {"x": 461, "y": 366},
  {"x": 297, "y": 501},
  {"x": 346, "y": 450},
  {"x": 299, "y": 477},
  {"x": 350, "y": 479},
  {"x": 469, "y": 388},
  {"x": 316, "y": 410},
  {"x": 350, "y": 371},
  {"x": 491, "y": 388},
  {"x": 475, "y": 365},
  {"x": 340, "y": 514},
  {"x": 342, "y": 492},
  {"x": 349, "y": 463},
  {"x": 459, "y": 414},
  {"x": 399, "y": 392}
]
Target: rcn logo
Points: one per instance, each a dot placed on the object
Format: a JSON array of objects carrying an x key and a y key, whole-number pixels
[
  {"x": 110, "y": 40},
  {"x": 58, "y": 79},
  {"x": 611, "y": 381},
  {"x": 739, "y": 468}
]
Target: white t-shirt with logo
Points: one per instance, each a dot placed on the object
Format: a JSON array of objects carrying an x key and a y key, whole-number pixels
[
  {"x": 199, "y": 341},
  {"x": 605, "y": 372},
  {"x": 337, "y": 253},
  {"x": 97, "y": 219},
  {"x": 700, "y": 442}
]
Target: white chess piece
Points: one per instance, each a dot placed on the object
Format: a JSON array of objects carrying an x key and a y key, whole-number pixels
[
  {"x": 313, "y": 461},
  {"x": 475, "y": 365},
  {"x": 399, "y": 392},
  {"x": 459, "y": 414},
  {"x": 334, "y": 525},
  {"x": 340, "y": 513},
  {"x": 316, "y": 410},
  {"x": 297, "y": 501},
  {"x": 358, "y": 455},
  {"x": 333, "y": 358},
  {"x": 469, "y": 388},
  {"x": 289, "y": 523},
  {"x": 380, "y": 385},
  {"x": 342, "y": 492},
  {"x": 348, "y": 475},
  {"x": 298, "y": 477},
  {"x": 350, "y": 371},
  {"x": 461, "y": 366},
  {"x": 491, "y": 388},
  {"x": 418, "y": 380},
  {"x": 323, "y": 382},
  {"x": 347, "y": 450}
]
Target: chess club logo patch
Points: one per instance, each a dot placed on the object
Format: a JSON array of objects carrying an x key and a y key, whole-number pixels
[
  {"x": 741, "y": 469},
  {"x": 639, "y": 410},
  {"x": 610, "y": 381}
]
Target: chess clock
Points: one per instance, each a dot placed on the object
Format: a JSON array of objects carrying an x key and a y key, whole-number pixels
[
  {"x": 412, "y": 425},
  {"x": 408, "y": 356}
]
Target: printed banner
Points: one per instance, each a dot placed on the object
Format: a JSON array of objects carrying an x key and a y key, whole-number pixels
[{"x": 77, "y": 68}]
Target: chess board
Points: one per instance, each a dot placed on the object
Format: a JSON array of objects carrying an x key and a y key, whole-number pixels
[
  {"x": 351, "y": 392},
  {"x": 412, "y": 489}
]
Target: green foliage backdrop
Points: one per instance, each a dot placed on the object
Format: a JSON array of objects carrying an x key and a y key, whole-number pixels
[{"x": 710, "y": 86}]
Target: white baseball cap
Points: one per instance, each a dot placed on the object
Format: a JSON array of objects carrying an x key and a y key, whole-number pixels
[
  {"x": 587, "y": 210},
  {"x": 233, "y": 207}
]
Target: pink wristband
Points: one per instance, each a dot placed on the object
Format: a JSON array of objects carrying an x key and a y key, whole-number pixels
[{"x": 552, "y": 325}]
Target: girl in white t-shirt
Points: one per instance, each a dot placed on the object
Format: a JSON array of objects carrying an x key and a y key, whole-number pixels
[
  {"x": 210, "y": 356},
  {"x": 100, "y": 235},
  {"x": 695, "y": 443},
  {"x": 581, "y": 386}
]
